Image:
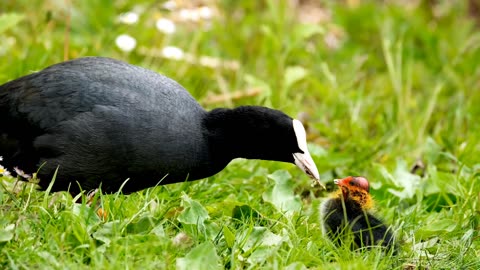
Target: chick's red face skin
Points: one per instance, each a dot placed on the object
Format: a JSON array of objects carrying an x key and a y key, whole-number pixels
[
  {"x": 353, "y": 181},
  {"x": 355, "y": 188}
]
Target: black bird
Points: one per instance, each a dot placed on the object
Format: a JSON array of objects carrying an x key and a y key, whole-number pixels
[
  {"x": 101, "y": 121},
  {"x": 347, "y": 213}
]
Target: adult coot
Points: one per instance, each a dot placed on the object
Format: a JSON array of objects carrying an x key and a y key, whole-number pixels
[{"x": 101, "y": 121}]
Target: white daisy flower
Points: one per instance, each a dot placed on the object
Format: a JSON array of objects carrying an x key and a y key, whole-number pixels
[
  {"x": 4, "y": 171},
  {"x": 205, "y": 12},
  {"x": 165, "y": 26},
  {"x": 169, "y": 5},
  {"x": 190, "y": 15},
  {"x": 172, "y": 52},
  {"x": 21, "y": 173},
  {"x": 125, "y": 43},
  {"x": 128, "y": 17}
]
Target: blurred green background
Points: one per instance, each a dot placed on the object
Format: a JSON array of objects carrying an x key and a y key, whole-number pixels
[{"x": 388, "y": 89}]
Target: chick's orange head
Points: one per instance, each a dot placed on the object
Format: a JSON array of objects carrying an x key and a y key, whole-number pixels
[
  {"x": 351, "y": 182},
  {"x": 356, "y": 188}
]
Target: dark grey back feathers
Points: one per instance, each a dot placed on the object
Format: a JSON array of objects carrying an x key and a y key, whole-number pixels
[{"x": 101, "y": 121}]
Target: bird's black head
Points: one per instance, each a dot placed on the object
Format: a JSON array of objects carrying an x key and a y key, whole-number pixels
[{"x": 255, "y": 132}]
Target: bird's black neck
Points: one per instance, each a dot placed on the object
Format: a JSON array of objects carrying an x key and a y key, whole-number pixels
[{"x": 250, "y": 132}]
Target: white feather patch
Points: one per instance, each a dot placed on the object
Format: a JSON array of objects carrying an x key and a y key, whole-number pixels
[{"x": 301, "y": 135}]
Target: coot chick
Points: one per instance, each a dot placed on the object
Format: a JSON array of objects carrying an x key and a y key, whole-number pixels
[
  {"x": 347, "y": 214},
  {"x": 101, "y": 121}
]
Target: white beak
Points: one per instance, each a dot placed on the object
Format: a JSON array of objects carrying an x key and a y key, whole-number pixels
[
  {"x": 303, "y": 160},
  {"x": 305, "y": 163}
]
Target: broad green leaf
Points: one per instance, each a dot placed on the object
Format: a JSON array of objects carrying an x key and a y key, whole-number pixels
[
  {"x": 158, "y": 230},
  {"x": 406, "y": 182},
  {"x": 253, "y": 237},
  {"x": 229, "y": 236},
  {"x": 203, "y": 256},
  {"x": 307, "y": 30},
  {"x": 438, "y": 182},
  {"x": 107, "y": 231},
  {"x": 432, "y": 151},
  {"x": 270, "y": 239},
  {"x": 194, "y": 219},
  {"x": 194, "y": 212},
  {"x": 294, "y": 74},
  {"x": 6, "y": 234},
  {"x": 420, "y": 247},
  {"x": 260, "y": 237},
  {"x": 211, "y": 229},
  {"x": 281, "y": 195},
  {"x": 296, "y": 266},
  {"x": 86, "y": 213},
  {"x": 444, "y": 225},
  {"x": 435, "y": 225},
  {"x": 261, "y": 243},
  {"x": 9, "y": 20},
  {"x": 141, "y": 226},
  {"x": 260, "y": 254}
]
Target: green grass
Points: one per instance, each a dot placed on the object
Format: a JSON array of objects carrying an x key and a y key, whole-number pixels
[{"x": 400, "y": 85}]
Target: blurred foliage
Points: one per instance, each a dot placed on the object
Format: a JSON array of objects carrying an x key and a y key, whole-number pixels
[{"x": 387, "y": 89}]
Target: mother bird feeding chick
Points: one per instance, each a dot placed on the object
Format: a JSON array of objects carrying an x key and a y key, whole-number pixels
[
  {"x": 347, "y": 212},
  {"x": 101, "y": 121}
]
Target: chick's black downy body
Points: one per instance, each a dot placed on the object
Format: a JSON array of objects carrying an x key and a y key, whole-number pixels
[
  {"x": 367, "y": 229},
  {"x": 347, "y": 215},
  {"x": 101, "y": 121}
]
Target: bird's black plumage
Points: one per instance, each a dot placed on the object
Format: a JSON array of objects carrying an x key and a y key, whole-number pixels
[
  {"x": 367, "y": 230},
  {"x": 347, "y": 214},
  {"x": 101, "y": 121}
]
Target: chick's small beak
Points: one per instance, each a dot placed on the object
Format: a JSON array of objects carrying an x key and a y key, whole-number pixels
[
  {"x": 342, "y": 182},
  {"x": 305, "y": 162}
]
